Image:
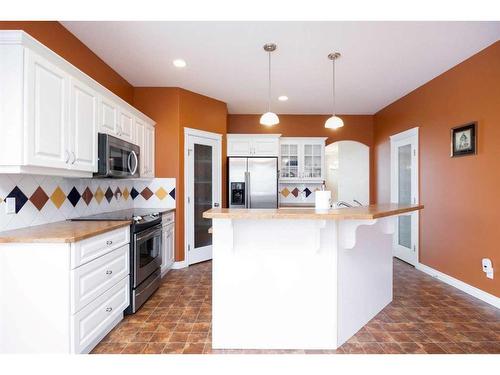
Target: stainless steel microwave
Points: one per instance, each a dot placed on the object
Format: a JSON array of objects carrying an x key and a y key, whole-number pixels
[{"x": 117, "y": 158}]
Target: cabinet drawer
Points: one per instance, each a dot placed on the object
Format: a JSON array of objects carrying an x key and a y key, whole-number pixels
[
  {"x": 168, "y": 218},
  {"x": 94, "y": 278},
  {"x": 92, "y": 248},
  {"x": 94, "y": 320}
]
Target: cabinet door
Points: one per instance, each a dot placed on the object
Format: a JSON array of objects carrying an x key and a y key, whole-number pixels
[
  {"x": 168, "y": 246},
  {"x": 312, "y": 160},
  {"x": 239, "y": 146},
  {"x": 126, "y": 126},
  {"x": 47, "y": 113},
  {"x": 149, "y": 150},
  {"x": 289, "y": 160},
  {"x": 265, "y": 146},
  {"x": 108, "y": 121},
  {"x": 139, "y": 141},
  {"x": 83, "y": 127}
]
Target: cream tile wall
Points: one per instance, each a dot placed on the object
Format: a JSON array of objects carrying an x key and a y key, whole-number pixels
[{"x": 45, "y": 199}]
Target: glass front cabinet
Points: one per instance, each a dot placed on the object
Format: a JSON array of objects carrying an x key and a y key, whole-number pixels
[{"x": 302, "y": 159}]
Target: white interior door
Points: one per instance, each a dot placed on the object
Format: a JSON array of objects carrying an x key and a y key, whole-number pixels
[
  {"x": 203, "y": 191},
  {"x": 404, "y": 190}
]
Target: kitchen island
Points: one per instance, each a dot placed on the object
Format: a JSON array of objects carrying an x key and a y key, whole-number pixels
[{"x": 299, "y": 278}]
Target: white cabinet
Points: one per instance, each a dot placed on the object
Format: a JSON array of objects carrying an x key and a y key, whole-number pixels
[
  {"x": 145, "y": 139},
  {"x": 83, "y": 127},
  {"x": 47, "y": 113},
  {"x": 67, "y": 296},
  {"x": 116, "y": 120},
  {"x": 125, "y": 125},
  {"x": 168, "y": 245},
  {"x": 51, "y": 112},
  {"x": 302, "y": 159},
  {"x": 253, "y": 144},
  {"x": 148, "y": 151},
  {"x": 108, "y": 121}
]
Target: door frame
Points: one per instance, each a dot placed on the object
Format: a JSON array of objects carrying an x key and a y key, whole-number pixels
[
  {"x": 415, "y": 230},
  {"x": 207, "y": 135}
]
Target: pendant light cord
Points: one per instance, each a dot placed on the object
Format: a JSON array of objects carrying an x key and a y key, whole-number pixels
[
  {"x": 333, "y": 86},
  {"x": 269, "y": 85}
]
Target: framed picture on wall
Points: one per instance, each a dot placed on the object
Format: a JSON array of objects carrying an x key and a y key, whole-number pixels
[{"x": 464, "y": 140}]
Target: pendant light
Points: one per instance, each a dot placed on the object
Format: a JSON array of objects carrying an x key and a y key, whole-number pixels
[
  {"x": 334, "y": 122},
  {"x": 269, "y": 118}
]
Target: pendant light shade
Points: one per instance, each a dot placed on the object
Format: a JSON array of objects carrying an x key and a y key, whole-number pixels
[
  {"x": 269, "y": 118},
  {"x": 334, "y": 122}
]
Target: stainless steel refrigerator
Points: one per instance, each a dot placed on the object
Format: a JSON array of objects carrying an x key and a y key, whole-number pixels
[{"x": 253, "y": 182}]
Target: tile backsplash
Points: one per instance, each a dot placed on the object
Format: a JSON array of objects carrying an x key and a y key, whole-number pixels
[
  {"x": 296, "y": 193},
  {"x": 46, "y": 199}
]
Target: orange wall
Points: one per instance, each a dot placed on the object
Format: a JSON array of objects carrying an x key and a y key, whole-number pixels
[
  {"x": 61, "y": 41},
  {"x": 460, "y": 222},
  {"x": 173, "y": 109},
  {"x": 356, "y": 128}
]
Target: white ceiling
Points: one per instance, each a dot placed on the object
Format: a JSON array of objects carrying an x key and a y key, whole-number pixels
[{"x": 381, "y": 61}]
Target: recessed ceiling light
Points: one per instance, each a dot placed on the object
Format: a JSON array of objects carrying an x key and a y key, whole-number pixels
[
  {"x": 283, "y": 98},
  {"x": 179, "y": 63}
]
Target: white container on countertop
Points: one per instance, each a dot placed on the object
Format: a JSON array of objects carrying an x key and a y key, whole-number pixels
[{"x": 322, "y": 199}]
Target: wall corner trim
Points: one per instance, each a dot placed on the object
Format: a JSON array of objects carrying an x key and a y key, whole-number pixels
[{"x": 464, "y": 287}]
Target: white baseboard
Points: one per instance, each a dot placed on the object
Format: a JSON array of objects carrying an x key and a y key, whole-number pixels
[
  {"x": 464, "y": 287},
  {"x": 179, "y": 265}
]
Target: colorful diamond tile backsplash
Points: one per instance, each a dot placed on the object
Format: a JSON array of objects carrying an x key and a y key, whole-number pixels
[
  {"x": 45, "y": 199},
  {"x": 298, "y": 193}
]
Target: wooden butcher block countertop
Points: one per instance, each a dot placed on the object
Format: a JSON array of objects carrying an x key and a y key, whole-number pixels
[
  {"x": 62, "y": 231},
  {"x": 374, "y": 211}
]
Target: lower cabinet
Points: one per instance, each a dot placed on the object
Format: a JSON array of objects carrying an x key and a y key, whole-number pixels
[
  {"x": 168, "y": 245},
  {"x": 67, "y": 296}
]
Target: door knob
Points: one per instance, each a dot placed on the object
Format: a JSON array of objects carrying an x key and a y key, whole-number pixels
[{"x": 216, "y": 204}]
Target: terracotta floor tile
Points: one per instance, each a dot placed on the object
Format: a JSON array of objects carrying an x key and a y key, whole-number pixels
[
  {"x": 154, "y": 348},
  {"x": 193, "y": 348},
  {"x": 179, "y": 337},
  {"x": 425, "y": 316},
  {"x": 184, "y": 327},
  {"x": 201, "y": 327},
  {"x": 432, "y": 348},
  {"x": 372, "y": 348},
  {"x": 391, "y": 348},
  {"x": 161, "y": 337},
  {"x": 174, "y": 348},
  {"x": 134, "y": 348},
  {"x": 144, "y": 336}
]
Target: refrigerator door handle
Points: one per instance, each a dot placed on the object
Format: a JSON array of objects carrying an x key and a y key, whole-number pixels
[
  {"x": 249, "y": 192},
  {"x": 246, "y": 189}
]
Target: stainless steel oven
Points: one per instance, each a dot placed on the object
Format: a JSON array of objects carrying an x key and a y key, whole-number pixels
[
  {"x": 146, "y": 253},
  {"x": 117, "y": 158}
]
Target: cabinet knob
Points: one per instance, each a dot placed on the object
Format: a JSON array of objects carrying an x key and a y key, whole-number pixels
[
  {"x": 109, "y": 242},
  {"x": 109, "y": 272},
  {"x": 109, "y": 309}
]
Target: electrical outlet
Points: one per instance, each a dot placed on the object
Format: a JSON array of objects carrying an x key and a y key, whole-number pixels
[
  {"x": 10, "y": 206},
  {"x": 488, "y": 268}
]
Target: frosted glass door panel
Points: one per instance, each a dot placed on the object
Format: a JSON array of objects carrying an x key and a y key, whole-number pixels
[
  {"x": 404, "y": 193},
  {"x": 202, "y": 194}
]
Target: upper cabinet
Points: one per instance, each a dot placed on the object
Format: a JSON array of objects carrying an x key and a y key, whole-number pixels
[
  {"x": 145, "y": 139},
  {"x": 302, "y": 159},
  {"x": 253, "y": 144},
  {"x": 51, "y": 113}
]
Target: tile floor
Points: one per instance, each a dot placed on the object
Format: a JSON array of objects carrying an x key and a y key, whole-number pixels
[{"x": 426, "y": 316}]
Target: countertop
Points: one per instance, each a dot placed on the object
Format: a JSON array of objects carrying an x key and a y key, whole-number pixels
[
  {"x": 374, "y": 211},
  {"x": 62, "y": 231}
]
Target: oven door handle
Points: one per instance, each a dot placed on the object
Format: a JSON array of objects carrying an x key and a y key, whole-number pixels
[{"x": 153, "y": 232}]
